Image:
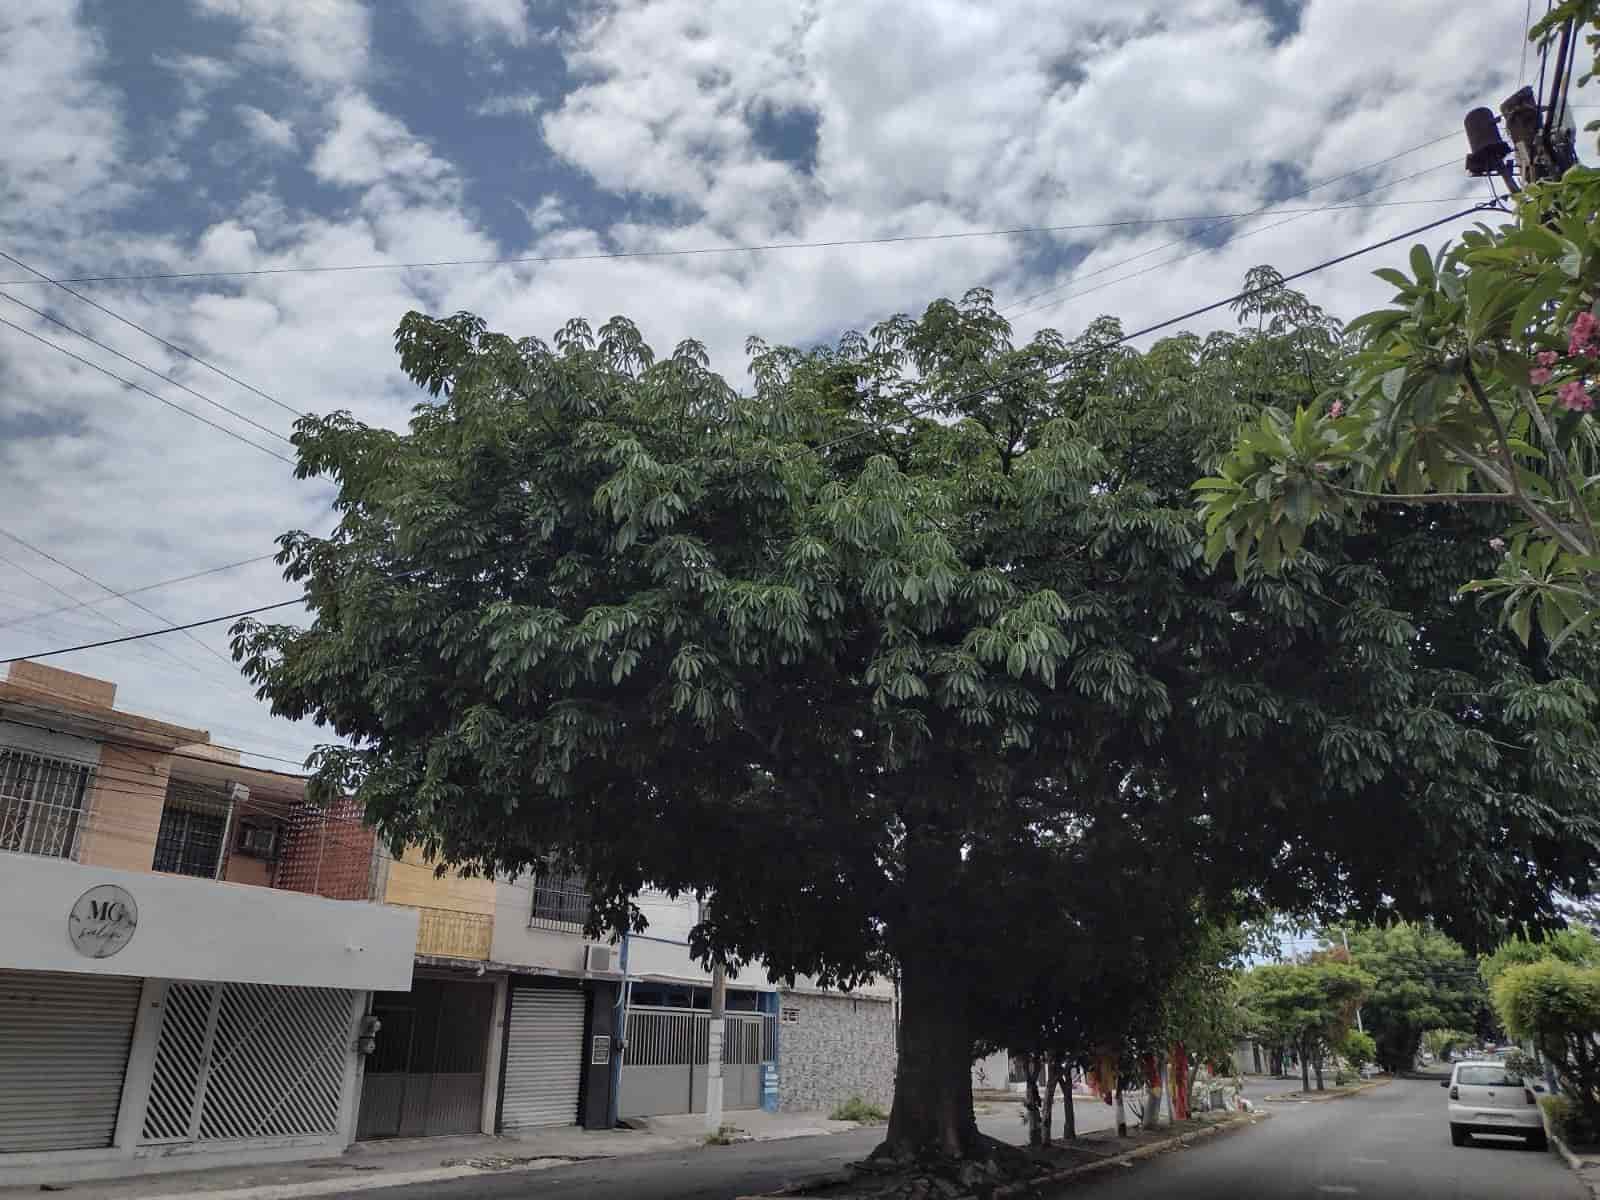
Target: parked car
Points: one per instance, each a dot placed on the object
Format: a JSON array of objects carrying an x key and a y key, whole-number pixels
[{"x": 1485, "y": 1098}]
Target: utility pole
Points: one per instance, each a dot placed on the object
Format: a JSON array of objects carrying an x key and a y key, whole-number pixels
[
  {"x": 719, "y": 996},
  {"x": 1346, "y": 937},
  {"x": 1539, "y": 129}
]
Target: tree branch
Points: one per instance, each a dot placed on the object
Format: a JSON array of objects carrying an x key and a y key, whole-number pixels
[
  {"x": 1430, "y": 497},
  {"x": 1559, "y": 460}
]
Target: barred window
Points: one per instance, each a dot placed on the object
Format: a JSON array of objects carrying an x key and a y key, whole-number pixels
[
  {"x": 560, "y": 901},
  {"x": 42, "y": 803},
  {"x": 194, "y": 822}
]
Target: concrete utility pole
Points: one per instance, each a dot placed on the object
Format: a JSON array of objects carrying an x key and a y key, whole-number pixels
[
  {"x": 1346, "y": 938},
  {"x": 719, "y": 996}
]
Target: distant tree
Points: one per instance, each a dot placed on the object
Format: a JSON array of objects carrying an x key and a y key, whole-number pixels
[
  {"x": 859, "y": 652},
  {"x": 1304, "y": 1007},
  {"x": 1421, "y": 980},
  {"x": 1440, "y": 1042},
  {"x": 1576, "y": 945},
  {"x": 1357, "y": 1048}
]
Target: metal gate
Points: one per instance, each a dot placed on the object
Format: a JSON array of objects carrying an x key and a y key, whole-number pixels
[
  {"x": 247, "y": 1060},
  {"x": 544, "y": 1057},
  {"x": 669, "y": 1051},
  {"x": 425, "y": 1076},
  {"x": 64, "y": 1043}
]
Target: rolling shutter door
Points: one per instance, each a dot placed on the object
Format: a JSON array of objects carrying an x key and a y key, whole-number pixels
[
  {"x": 544, "y": 1058},
  {"x": 64, "y": 1043}
]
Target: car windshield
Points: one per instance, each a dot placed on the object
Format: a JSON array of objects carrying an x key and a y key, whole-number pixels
[{"x": 1488, "y": 1076}]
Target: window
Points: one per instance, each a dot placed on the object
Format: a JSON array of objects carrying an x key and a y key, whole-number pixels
[
  {"x": 194, "y": 822},
  {"x": 560, "y": 901},
  {"x": 1487, "y": 1077},
  {"x": 42, "y": 804}
]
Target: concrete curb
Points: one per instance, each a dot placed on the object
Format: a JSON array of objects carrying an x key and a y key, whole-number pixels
[
  {"x": 1027, "y": 1186},
  {"x": 1324, "y": 1097},
  {"x": 328, "y": 1187}
]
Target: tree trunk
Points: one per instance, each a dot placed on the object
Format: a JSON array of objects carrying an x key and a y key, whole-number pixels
[
  {"x": 1036, "y": 1125},
  {"x": 932, "y": 1113},
  {"x": 1155, "y": 1094},
  {"x": 1052, "y": 1082},
  {"x": 1318, "y": 1065},
  {"x": 1122, "y": 1113},
  {"x": 1305, "y": 1068},
  {"x": 1069, "y": 1115}
]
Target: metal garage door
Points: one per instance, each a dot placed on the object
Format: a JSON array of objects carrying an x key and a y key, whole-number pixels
[
  {"x": 544, "y": 1057},
  {"x": 63, "y": 1052}
]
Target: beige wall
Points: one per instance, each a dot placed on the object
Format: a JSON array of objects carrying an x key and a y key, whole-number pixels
[
  {"x": 125, "y": 808},
  {"x": 411, "y": 881}
]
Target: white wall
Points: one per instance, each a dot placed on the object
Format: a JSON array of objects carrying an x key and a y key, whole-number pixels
[{"x": 204, "y": 930}]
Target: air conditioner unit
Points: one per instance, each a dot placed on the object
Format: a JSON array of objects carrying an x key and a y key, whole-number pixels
[
  {"x": 258, "y": 841},
  {"x": 597, "y": 960}
]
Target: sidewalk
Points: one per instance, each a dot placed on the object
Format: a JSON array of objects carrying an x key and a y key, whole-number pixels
[{"x": 373, "y": 1165}]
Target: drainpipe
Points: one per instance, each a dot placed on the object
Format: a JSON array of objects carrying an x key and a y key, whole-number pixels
[{"x": 619, "y": 1039}]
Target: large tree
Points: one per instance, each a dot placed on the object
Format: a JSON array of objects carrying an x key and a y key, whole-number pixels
[
  {"x": 1304, "y": 1007},
  {"x": 1421, "y": 980},
  {"x": 868, "y": 650}
]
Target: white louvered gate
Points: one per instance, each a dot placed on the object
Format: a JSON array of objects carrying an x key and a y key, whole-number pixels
[
  {"x": 238, "y": 1060},
  {"x": 544, "y": 1057},
  {"x": 64, "y": 1043}
]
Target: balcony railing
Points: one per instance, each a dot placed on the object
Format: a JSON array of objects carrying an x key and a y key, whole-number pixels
[{"x": 447, "y": 933}]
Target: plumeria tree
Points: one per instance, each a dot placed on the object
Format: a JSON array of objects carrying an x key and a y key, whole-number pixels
[{"x": 1475, "y": 386}]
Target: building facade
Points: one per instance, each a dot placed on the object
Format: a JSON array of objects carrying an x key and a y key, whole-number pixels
[{"x": 162, "y": 1004}]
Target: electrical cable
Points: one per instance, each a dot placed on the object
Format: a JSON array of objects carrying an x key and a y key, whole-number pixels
[
  {"x": 149, "y": 587},
  {"x": 1189, "y": 237},
  {"x": 92, "y": 340},
  {"x": 150, "y": 633},
  {"x": 173, "y": 346},
  {"x": 107, "y": 588},
  {"x": 1247, "y": 293},
  {"x": 1527, "y": 23},
  {"x": 141, "y": 388},
  {"x": 756, "y": 248}
]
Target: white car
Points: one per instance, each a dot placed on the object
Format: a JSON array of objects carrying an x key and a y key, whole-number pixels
[{"x": 1487, "y": 1098}]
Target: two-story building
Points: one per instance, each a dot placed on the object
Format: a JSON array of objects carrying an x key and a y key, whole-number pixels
[
  {"x": 195, "y": 962},
  {"x": 162, "y": 1004}
]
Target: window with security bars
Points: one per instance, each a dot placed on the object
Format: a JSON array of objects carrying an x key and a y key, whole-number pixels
[
  {"x": 560, "y": 901},
  {"x": 42, "y": 803},
  {"x": 194, "y": 824}
]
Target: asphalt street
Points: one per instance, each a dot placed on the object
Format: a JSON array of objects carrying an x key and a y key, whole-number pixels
[{"x": 1390, "y": 1143}]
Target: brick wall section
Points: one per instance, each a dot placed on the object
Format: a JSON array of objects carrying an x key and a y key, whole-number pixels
[{"x": 839, "y": 1048}]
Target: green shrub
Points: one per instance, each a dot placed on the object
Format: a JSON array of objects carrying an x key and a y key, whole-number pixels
[
  {"x": 857, "y": 1109},
  {"x": 1567, "y": 1119}
]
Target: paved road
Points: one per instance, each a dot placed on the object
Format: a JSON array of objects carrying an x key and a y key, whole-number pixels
[
  {"x": 1386, "y": 1144},
  {"x": 1391, "y": 1143}
]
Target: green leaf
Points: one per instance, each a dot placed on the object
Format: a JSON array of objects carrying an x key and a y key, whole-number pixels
[
  {"x": 1544, "y": 290},
  {"x": 1422, "y": 264}
]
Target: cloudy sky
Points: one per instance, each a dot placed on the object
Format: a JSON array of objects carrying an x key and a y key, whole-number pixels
[{"x": 225, "y": 137}]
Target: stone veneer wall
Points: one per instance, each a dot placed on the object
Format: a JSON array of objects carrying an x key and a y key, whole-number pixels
[{"x": 841, "y": 1046}]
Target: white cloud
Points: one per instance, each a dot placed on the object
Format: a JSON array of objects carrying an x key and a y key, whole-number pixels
[
  {"x": 929, "y": 118},
  {"x": 366, "y": 145},
  {"x": 473, "y": 19},
  {"x": 326, "y": 42},
  {"x": 200, "y": 73},
  {"x": 266, "y": 128},
  {"x": 510, "y": 105}
]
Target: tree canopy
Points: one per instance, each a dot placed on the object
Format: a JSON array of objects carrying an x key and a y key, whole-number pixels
[
  {"x": 1422, "y": 980},
  {"x": 1305, "y": 1007},
  {"x": 915, "y": 622}
]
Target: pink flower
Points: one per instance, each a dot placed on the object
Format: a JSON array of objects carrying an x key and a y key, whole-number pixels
[
  {"x": 1336, "y": 410},
  {"x": 1539, "y": 376},
  {"x": 1546, "y": 358},
  {"x": 1574, "y": 397},
  {"x": 1497, "y": 544},
  {"x": 1582, "y": 332}
]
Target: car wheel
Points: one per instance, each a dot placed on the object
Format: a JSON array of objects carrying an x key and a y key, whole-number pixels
[
  {"x": 1538, "y": 1141},
  {"x": 1458, "y": 1136}
]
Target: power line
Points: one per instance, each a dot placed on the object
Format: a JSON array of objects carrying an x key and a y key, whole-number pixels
[
  {"x": 1527, "y": 23},
  {"x": 268, "y": 430},
  {"x": 173, "y": 346},
  {"x": 86, "y": 577},
  {"x": 1245, "y": 294},
  {"x": 150, "y": 633},
  {"x": 141, "y": 388},
  {"x": 1189, "y": 237},
  {"x": 756, "y": 248},
  {"x": 149, "y": 587}
]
